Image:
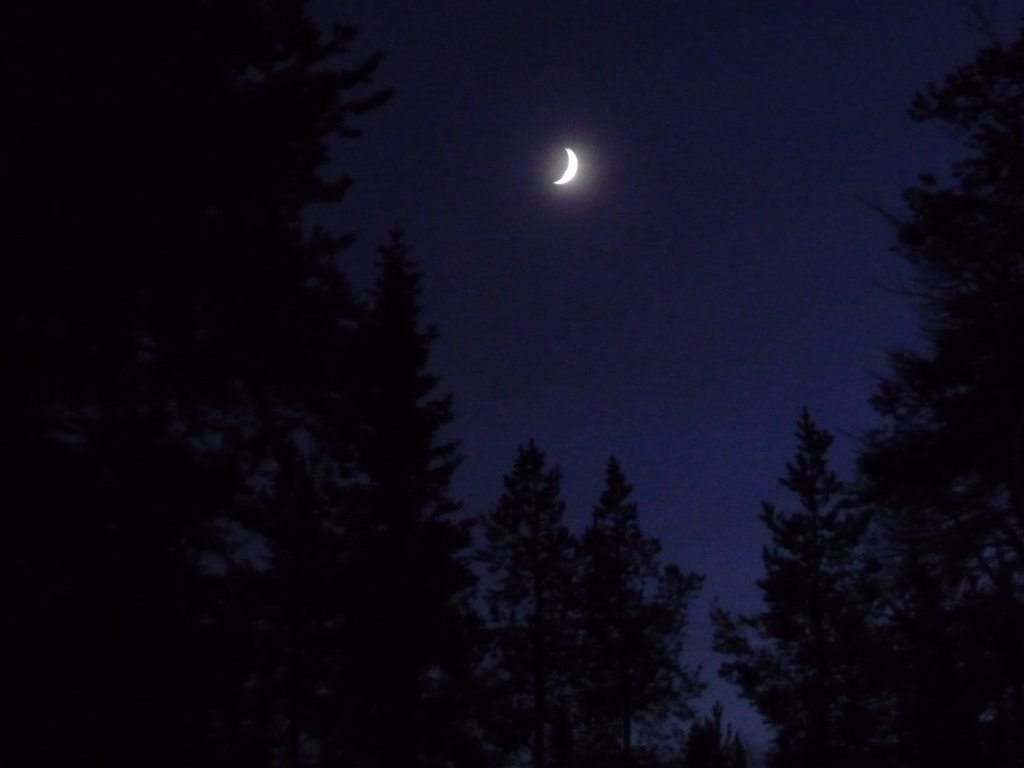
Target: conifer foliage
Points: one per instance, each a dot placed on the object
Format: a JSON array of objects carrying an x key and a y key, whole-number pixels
[
  {"x": 407, "y": 579},
  {"x": 169, "y": 327},
  {"x": 946, "y": 472},
  {"x": 709, "y": 745},
  {"x": 794, "y": 659},
  {"x": 633, "y": 613},
  {"x": 530, "y": 557},
  {"x": 230, "y": 535},
  {"x": 587, "y": 635}
]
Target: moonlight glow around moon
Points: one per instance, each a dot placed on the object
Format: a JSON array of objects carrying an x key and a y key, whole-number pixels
[{"x": 570, "y": 170}]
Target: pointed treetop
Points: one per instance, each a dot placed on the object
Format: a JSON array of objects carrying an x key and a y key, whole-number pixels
[
  {"x": 616, "y": 490},
  {"x": 809, "y": 475}
]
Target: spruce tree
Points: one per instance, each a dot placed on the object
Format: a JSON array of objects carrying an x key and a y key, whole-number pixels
[
  {"x": 946, "y": 472},
  {"x": 708, "y": 745},
  {"x": 409, "y": 638},
  {"x": 164, "y": 304},
  {"x": 796, "y": 659},
  {"x": 940, "y": 653},
  {"x": 632, "y": 684},
  {"x": 529, "y": 555}
]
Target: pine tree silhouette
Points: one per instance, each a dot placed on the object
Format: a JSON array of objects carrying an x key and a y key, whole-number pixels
[
  {"x": 795, "y": 660},
  {"x": 529, "y": 554},
  {"x": 164, "y": 305},
  {"x": 946, "y": 473},
  {"x": 633, "y": 612}
]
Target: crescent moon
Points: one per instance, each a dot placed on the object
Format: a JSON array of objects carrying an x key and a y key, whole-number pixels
[{"x": 570, "y": 170}]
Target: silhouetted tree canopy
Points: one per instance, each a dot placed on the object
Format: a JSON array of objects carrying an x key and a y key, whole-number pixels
[
  {"x": 530, "y": 556},
  {"x": 633, "y": 688},
  {"x": 708, "y": 745},
  {"x": 796, "y": 659},
  {"x": 410, "y": 640},
  {"x": 946, "y": 472},
  {"x": 165, "y": 315},
  {"x": 230, "y": 536}
]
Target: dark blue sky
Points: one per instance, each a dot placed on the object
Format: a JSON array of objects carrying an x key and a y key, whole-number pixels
[{"x": 713, "y": 268}]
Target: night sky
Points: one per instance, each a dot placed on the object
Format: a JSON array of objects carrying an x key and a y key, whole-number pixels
[{"x": 715, "y": 266}]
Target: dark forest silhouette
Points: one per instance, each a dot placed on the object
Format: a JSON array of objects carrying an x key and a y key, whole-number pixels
[{"x": 229, "y": 535}]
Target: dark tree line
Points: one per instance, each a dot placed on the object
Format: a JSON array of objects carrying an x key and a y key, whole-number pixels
[
  {"x": 893, "y": 626},
  {"x": 587, "y": 632},
  {"x": 229, "y": 532},
  {"x": 230, "y": 538}
]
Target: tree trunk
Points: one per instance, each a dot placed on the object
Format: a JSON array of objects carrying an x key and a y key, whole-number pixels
[
  {"x": 627, "y": 736},
  {"x": 1016, "y": 660},
  {"x": 539, "y": 682},
  {"x": 627, "y": 711}
]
